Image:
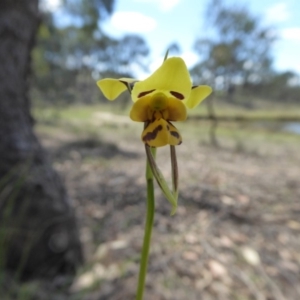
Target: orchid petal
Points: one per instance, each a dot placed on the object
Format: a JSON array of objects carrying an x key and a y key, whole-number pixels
[
  {"x": 171, "y": 76},
  {"x": 172, "y": 109},
  {"x": 176, "y": 110},
  {"x": 160, "y": 133},
  {"x": 112, "y": 88},
  {"x": 140, "y": 111},
  {"x": 198, "y": 94},
  {"x": 175, "y": 137}
]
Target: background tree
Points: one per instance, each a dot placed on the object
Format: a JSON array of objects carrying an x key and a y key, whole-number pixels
[
  {"x": 283, "y": 87},
  {"x": 70, "y": 56},
  {"x": 237, "y": 49},
  {"x": 39, "y": 235}
]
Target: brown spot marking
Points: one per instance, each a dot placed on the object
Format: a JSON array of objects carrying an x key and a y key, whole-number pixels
[
  {"x": 177, "y": 95},
  {"x": 142, "y": 94},
  {"x": 152, "y": 135},
  {"x": 175, "y": 134}
]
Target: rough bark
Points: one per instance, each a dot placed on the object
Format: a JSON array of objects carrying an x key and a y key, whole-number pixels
[{"x": 38, "y": 232}]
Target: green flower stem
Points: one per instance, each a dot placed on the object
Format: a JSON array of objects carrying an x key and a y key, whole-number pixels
[{"x": 148, "y": 230}]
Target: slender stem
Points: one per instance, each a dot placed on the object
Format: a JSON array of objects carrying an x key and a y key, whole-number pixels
[
  {"x": 148, "y": 230},
  {"x": 174, "y": 167}
]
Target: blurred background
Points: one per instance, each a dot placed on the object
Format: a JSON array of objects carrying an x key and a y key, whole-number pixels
[{"x": 72, "y": 192}]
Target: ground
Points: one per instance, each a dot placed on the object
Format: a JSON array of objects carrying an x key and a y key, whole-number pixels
[{"x": 235, "y": 234}]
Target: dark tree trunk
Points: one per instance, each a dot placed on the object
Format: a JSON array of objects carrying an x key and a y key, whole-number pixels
[{"x": 38, "y": 232}]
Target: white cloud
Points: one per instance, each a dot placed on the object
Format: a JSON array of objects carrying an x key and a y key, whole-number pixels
[
  {"x": 277, "y": 13},
  {"x": 292, "y": 33},
  {"x": 163, "y": 5},
  {"x": 50, "y": 5},
  {"x": 155, "y": 64},
  {"x": 130, "y": 21},
  {"x": 190, "y": 58}
]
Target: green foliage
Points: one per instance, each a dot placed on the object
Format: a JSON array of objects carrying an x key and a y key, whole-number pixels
[
  {"x": 237, "y": 58},
  {"x": 70, "y": 57},
  {"x": 119, "y": 56},
  {"x": 281, "y": 87},
  {"x": 89, "y": 12},
  {"x": 237, "y": 49}
]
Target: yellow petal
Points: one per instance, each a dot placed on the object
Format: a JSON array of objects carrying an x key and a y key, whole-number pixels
[
  {"x": 112, "y": 88},
  {"x": 176, "y": 110},
  {"x": 171, "y": 109},
  {"x": 175, "y": 137},
  {"x": 172, "y": 76},
  {"x": 140, "y": 110},
  {"x": 160, "y": 133},
  {"x": 198, "y": 94}
]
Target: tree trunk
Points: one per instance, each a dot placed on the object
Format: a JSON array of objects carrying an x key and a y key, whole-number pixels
[{"x": 38, "y": 231}]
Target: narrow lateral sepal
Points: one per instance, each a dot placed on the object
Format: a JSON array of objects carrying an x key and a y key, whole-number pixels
[
  {"x": 174, "y": 168},
  {"x": 172, "y": 198}
]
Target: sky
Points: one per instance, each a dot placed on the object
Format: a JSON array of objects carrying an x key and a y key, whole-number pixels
[{"x": 163, "y": 22}]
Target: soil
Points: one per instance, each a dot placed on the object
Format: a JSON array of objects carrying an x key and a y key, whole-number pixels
[{"x": 235, "y": 234}]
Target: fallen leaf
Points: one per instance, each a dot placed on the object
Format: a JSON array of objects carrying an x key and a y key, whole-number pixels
[
  {"x": 217, "y": 269},
  {"x": 227, "y": 200},
  {"x": 293, "y": 224},
  {"x": 191, "y": 238},
  {"x": 250, "y": 255},
  {"x": 190, "y": 255}
]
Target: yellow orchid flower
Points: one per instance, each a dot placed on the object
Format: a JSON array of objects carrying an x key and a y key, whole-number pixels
[{"x": 159, "y": 100}]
